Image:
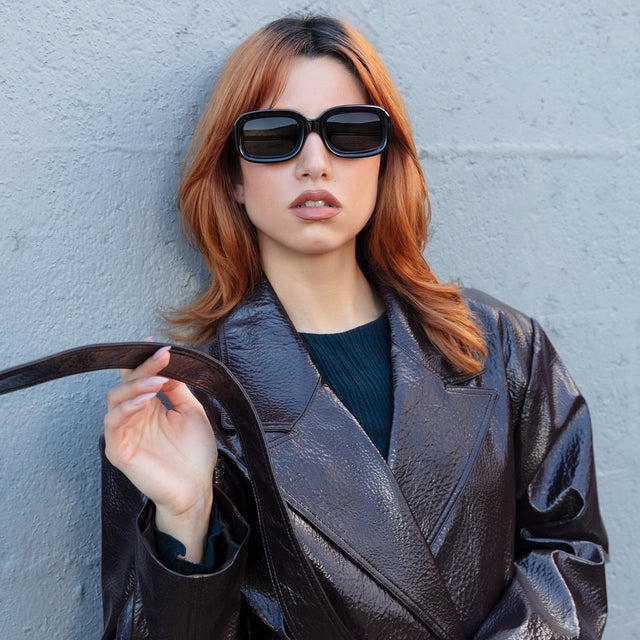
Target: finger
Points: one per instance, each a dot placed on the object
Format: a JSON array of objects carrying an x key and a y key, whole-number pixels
[
  {"x": 131, "y": 389},
  {"x": 121, "y": 441},
  {"x": 180, "y": 397},
  {"x": 150, "y": 367},
  {"x": 119, "y": 415}
]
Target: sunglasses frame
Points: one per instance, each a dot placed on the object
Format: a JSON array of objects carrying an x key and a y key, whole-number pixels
[{"x": 316, "y": 125}]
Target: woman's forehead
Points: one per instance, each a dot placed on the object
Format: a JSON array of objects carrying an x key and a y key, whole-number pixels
[{"x": 322, "y": 79}]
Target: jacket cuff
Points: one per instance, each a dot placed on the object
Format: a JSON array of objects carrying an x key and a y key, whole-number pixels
[{"x": 177, "y": 605}]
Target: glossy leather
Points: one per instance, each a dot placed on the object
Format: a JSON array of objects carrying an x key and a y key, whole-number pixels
[{"x": 483, "y": 523}]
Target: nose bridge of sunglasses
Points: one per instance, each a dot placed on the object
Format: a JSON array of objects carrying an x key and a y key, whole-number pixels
[{"x": 314, "y": 126}]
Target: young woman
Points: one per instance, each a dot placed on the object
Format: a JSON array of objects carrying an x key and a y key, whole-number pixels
[{"x": 434, "y": 454}]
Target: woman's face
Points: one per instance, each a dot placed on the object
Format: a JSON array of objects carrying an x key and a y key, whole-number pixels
[{"x": 273, "y": 193}]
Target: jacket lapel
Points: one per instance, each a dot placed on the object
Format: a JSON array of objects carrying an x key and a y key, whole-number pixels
[
  {"x": 434, "y": 444},
  {"x": 382, "y": 516}
]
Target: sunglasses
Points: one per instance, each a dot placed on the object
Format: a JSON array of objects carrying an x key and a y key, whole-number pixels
[{"x": 276, "y": 135}]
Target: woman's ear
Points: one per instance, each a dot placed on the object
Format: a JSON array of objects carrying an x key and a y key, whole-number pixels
[{"x": 238, "y": 193}]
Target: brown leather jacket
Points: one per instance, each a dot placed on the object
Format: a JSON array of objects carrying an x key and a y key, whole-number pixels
[{"x": 483, "y": 521}]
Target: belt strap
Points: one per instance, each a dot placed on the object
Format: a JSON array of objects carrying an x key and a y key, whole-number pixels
[{"x": 307, "y": 612}]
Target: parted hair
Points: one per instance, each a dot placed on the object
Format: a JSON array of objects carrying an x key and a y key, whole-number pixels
[{"x": 389, "y": 248}]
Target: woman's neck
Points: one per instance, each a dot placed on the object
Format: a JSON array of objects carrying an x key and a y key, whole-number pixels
[{"x": 324, "y": 293}]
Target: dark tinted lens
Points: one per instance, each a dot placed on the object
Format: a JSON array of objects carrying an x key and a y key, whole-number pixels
[
  {"x": 354, "y": 132},
  {"x": 270, "y": 136}
]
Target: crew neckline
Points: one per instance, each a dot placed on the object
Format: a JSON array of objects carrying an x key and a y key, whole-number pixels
[{"x": 360, "y": 327}]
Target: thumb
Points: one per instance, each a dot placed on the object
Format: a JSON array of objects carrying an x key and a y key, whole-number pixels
[{"x": 180, "y": 397}]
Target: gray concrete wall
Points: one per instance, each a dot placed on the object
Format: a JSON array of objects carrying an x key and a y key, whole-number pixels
[{"x": 527, "y": 120}]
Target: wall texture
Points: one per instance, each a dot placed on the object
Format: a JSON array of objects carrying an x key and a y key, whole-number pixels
[{"x": 527, "y": 117}]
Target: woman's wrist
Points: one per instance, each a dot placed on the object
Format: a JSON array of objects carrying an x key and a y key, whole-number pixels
[{"x": 191, "y": 527}]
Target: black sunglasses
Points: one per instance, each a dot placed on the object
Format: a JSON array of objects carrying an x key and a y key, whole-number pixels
[{"x": 276, "y": 135}]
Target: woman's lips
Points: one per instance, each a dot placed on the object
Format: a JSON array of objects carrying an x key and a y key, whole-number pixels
[{"x": 316, "y": 205}]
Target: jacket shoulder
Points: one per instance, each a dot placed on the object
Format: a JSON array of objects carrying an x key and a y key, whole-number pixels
[
  {"x": 492, "y": 312},
  {"x": 512, "y": 338},
  {"x": 502, "y": 325}
]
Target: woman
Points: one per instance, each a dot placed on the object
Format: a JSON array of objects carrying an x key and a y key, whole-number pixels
[{"x": 434, "y": 453}]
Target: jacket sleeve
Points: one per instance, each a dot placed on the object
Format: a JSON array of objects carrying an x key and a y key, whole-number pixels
[
  {"x": 141, "y": 597},
  {"x": 558, "y": 586}
]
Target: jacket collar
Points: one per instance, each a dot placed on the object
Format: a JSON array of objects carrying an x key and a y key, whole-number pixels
[
  {"x": 403, "y": 504},
  {"x": 247, "y": 341},
  {"x": 258, "y": 342}
]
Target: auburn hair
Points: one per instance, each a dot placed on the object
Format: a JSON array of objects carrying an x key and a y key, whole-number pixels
[{"x": 389, "y": 248}]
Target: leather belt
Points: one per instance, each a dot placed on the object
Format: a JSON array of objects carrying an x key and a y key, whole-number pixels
[{"x": 307, "y": 612}]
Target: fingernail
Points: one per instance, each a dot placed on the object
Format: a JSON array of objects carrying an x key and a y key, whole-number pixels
[
  {"x": 148, "y": 339},
  {"x": 160, "y": 352},
  {"x": 155, "y": 381},
  {"x": 136, "y": 402}
]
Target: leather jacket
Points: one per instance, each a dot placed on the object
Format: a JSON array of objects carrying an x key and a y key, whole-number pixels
[{"x": 483, "y": 520}]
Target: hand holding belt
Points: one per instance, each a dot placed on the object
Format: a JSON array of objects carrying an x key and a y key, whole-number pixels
[{"x": 307, "y": 612}]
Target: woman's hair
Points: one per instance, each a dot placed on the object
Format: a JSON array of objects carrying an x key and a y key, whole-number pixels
[{"x": 389, "y": 248}]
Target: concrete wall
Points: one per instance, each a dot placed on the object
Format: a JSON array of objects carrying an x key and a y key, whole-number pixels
[{"x": 527, "y": 120}]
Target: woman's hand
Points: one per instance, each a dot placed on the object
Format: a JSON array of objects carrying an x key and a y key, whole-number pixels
[{"x": 169, "y": 455}]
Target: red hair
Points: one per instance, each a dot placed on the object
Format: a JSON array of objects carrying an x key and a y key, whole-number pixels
[{"x": 390, "y": 246}]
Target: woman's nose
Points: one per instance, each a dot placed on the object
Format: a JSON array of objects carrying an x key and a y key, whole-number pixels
[{"x": 314, "y": 160}]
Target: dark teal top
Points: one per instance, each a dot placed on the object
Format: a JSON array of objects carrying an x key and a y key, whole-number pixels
[{"x": 356, "y": 364}]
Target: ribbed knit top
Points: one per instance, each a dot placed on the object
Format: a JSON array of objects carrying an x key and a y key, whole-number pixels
[{"x": 356, "y": 364}]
